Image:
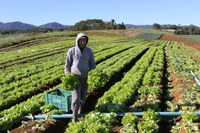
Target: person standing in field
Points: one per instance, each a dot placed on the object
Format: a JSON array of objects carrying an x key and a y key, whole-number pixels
[{"x": 79, "y": 61}]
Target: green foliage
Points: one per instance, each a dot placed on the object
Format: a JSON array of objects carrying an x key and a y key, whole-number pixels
[
  {"x": 84, "y": 127},
  {"x": 150, "y": 90},
  {"x": 149, "y": 123},
  {"x": 55, "y": 111},
  {"x": 180, "y": 30},
  {"x": 97, "y": 24},
  {"x": 148, "y": 127},
  {"x": 110, "y": 107},
  {"x": 121, "y": 26},
  {"x": 70, "y": 82},
  {"x": 189, "y": 117},
  {"x": 97, "y": 128},
  {"x": 129, "y": 128},
  {"x": 189, "y": 123},
  {"x": 188, "y": 30},
  {"x": 76, "y": 127},
  {"x": 94, "y": 122},
  {"x": 46, "y": 108},
  {"x": 130, "y": 119},
  {"x": 95, "y": 117},
  {"x": 97, "y": 79},
  {"x": 150, "y": 115},
  {"x": 156, "y": 26}
]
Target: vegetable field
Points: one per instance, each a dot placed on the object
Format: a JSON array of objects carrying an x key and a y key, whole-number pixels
[{"x": 148, "y": 73}]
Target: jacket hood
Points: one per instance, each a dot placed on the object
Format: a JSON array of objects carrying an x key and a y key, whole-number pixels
[{"x": 79, "y": 36}]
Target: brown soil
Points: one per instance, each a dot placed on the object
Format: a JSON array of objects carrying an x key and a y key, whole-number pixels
[
  {"x": 178, "y": 86},
  {"x": 42, "y": 126},
  {"x": 116, "y": 129},
  {"x": 181, "y": 130},
  {"x": 197, "y": 46},
  {"x": 176, "y": 38},
  {"x": 178, "y": 89}
]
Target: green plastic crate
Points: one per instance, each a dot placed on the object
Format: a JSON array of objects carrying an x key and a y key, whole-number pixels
[{"x": 60, "y": 99}]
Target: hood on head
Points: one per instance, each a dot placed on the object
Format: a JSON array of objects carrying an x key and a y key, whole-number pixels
[{"x": 81, "y": 35}]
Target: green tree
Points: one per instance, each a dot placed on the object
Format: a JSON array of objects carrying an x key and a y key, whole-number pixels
[
  {"x": 156, "y": 26},
  {"x": 97, "y": 24},
  {"x": 121, "y": 26}
]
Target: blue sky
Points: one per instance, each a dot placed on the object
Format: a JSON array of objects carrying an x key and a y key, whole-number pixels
[{"x": 69, "y": 12}]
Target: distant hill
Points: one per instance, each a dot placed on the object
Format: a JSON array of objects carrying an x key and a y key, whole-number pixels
[
  {"x": 138, "y": 26},
  {"x": 23, "y": 26},
  {"x": 16, "y": 26},
  {"x": 54, "y": 25}
]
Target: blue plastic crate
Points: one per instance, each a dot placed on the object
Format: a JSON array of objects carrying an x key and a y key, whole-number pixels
[{"x": 61, "y": 99}]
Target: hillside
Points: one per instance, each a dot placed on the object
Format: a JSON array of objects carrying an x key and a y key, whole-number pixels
[
  {"x": 16, "y": 26},
  {"x": 54, "y": 25},
  {"x": 24, "y": 26}
]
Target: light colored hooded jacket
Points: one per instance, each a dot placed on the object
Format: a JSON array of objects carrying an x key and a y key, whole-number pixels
[{"x": 80, "y": 63}]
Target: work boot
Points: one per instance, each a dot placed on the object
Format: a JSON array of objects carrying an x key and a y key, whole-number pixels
[
  {"x": 75, "y": 116},
  {"x": 79, "y": 110},
  {"x": 80, "y": 107}
]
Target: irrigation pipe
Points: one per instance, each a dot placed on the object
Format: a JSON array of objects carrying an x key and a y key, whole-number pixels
[
  {"x": 66, "y": 116},
  {"x": 195, "y": 78}
]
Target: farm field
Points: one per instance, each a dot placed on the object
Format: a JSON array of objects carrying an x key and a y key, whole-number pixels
[
  {"x": 136, "y": 72},
  {"x": 195, "y": 38}
]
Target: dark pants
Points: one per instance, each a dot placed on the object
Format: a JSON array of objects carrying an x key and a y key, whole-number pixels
[{"x": 79, "y": 97}]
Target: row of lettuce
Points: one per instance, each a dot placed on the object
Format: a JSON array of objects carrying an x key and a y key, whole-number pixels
[
  {"x": 14, "y": 114},
  {"x": 39, "y": 63},
  {"x": 49, "y": 47},
  {"x": 20, "y": 40},
  {"x": 122, "y": 93},
  {"x": 140, "y": 89},
  {"x": 20, "y": 90},
  {"x": 181, "y": 62}
]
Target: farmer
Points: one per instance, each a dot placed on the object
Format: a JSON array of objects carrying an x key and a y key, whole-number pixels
[{"x": 80, "y": 60}]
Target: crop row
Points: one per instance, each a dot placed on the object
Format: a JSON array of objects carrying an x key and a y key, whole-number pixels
[
  {"x": 27, "y": 87},
  {"x": 11, "y": 41},
  {"x": 125, "y": 90},
  {"x": 40, "y": 65},
  {"x": 51, "y": 70},
  {"x": 151, "y": 89},
  {"x": 105, "y": 70},
  {"x": 188, "y": 98},
  {"x": 31, "y": 54},
  {"x": 13, "y": 115}
]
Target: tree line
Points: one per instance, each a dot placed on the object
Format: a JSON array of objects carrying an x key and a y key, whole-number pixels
[
  {"x": 97, "y": 24},
  {"x": 179, "y": 30}
]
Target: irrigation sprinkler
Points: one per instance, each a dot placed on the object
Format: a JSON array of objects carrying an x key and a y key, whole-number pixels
[{"x": 195, "y": 78}]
